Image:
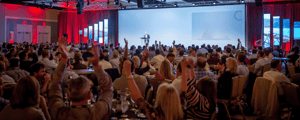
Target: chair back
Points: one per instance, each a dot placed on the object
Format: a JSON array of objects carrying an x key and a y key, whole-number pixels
[
  {"x": 250, "y": 68},
  {"x": 214, "y": 115},
  {"x": 291, "y": 69},
  {"x": 237, "y": 86},
  {"x": 291, "y": 92},
  {"x": 113, "y": 73},
  {"x": 265, "y": 68},
  {"x": 149, "y": 94},
  {"x": 253, "y": 60}
]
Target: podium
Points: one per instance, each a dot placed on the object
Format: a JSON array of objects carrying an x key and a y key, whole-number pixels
[{"x": 146, "y": 40}]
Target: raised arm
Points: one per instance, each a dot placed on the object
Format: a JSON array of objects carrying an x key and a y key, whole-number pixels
[
  {"x": 126, "y": 49},
  {"x": 161, "y": 49},
  {"x": 174, "y": 49},
  {"x": 55, "y": 92},
  {"x": 135, "y": 91}
]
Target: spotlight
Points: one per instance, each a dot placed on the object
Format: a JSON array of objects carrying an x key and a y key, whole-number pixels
[
  {"x": 194, "y": 4},
  {"x": 156, "y": 6},
  {"x": 214, "y": 3}
]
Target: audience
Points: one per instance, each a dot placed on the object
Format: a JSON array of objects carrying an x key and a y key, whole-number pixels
[
  {"x": 294, "y": 56},
  {"x": 266, "y": 56},
  {"x": 213, "y": 59},
  {"x": 24, "y": 62},
  {"x": 157, "y": 59},
  {"x": 87, "y": 54},
  {"x": 7, "y": 79},
  {"x": 50, "y": 65},
  {"x": 115, "y": 59},
  {"x": 165, "y": 71},
  {"x": 228, "y": 52},
  {"x": 3, "y": 101},
  {"x": 77, "y": 64},
  {"x": 242, "y": 69},
  {"x": 225, "y": 78},
  {"x": 15, "y": 72},
  {"x": 104, "y": 63},
  {"x": 259, "y": 64},
  {"x": 38, "y": 71},
  {"x": 201, "y": 72}
]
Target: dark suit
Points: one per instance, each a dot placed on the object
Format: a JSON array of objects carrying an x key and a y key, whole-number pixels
[{"x": 147, "y": 38}]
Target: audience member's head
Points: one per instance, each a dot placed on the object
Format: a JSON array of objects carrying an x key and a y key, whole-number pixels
[
  {"x": 77, "y": 57},
  {"x": 115, "y": 54},
  {"x": 136, "y": 61},
  {"x": 45, "y": 53},
  {"x": 79, "y": 89},
  {"x": 276, "y": 64},
  {"x": 101, "y": 56},
  {"x": 23, "y": 56},
  {"x": 167, "y": 100},
  {"x": 171, "y": 57},
  {"x": 192, "y": 52},
  {"x": 201, "y": 62},
  {"x": 157, "y": 52},
  {"x": 181, "y": 53},
  {"x": 12, "y": 51},
  {"x": 37, "y": 70},
  {"x": 259, "y": 48},
  {"x": 214, "y": 54},
  {"x": 266, "y": 53},
  {"x": 58, "y": 55},
  {"x": 254, "y": 51},
  {"x": 165, "y": 69},
  {"x": 207, "y": 87},
  {"x": 228, "y": 50},
  {"x": 89, "y": 49},
  {"x": 260, "y": 54},
  {"x": 26, "y": 93},
  {"x": 223, "y": 59},
  {"x": 241, "y": 58},
  {"x": 105, "y": 52},
  {"x": 231, "y": 65},
  {"x": 14, "y": 62}
]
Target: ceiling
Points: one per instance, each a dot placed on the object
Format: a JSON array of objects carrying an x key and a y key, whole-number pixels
[{"x": 124, "y": 4}]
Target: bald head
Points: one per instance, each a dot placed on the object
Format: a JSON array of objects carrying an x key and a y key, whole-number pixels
[{"x": 201, "y": 62}]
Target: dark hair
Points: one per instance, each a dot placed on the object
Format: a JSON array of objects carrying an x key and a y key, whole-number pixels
[
  {"x": 22, "y": 55},
  {"x": 228, "y": 50},
  {"x": 105, "y": 50},
  {"x": 266, "y": 52},
  {"x": 35, "y": 68},
  {"x": 26, "y": 93},
  {"x": 14, "y": 62},
  {"x": 157, "y": 52},
  {"x": 275, "y": 63},
  {"x": 223, "y": 59},
  {"x": 207, "y": 87},
  {"x": 77, "y": 57},
  {"x": 57, "y": 53},
  {"x": 101, "y": 56},
  {"x": 219, "y": 49},
  {"x": 11, "y": 50},
  {"x": 200, "y": 62},
  {"x": 241, "y": 57},
  {"x": 170, "y": 55},
  {"x": 179, "y": 67},
  {"x": 254, "y": 51},
  {"x": 259, "y": 48},
  {"x": 181, "y": 53},
  {"x": 260, "y": 53}
]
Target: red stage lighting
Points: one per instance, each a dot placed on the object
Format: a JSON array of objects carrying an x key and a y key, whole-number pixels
[
  {"x": 24, "y": 22},
  {"x": 44, "y": 24}
]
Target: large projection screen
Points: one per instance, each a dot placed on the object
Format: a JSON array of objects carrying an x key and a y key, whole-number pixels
[{"x": 214, "y": 25}]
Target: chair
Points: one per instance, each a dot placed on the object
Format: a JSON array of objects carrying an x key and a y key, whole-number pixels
[
  {"x": 113, "y": 73},
  {"x": 265, "y": 68},
  {"x": 214, "y": 115},
  {"x": 291, "y": 70},
  {"x": 149, "y": 94},
  {"x": 250, "y": 68},
  {"x": 291, "y": 92},
  {"x": 236, "y": 93}
]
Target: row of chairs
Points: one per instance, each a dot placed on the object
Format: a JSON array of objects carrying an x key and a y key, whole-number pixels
[{"x": 264, "y": 69}]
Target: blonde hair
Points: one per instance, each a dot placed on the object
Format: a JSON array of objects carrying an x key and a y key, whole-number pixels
[
  {"x": 136, "y": 61},
  {"x": 165, "y": 69},
  {"x": 231, "y": 65},
  {"x": 167, "y": 99}
]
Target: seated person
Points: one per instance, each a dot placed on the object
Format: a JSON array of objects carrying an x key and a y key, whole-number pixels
[
  {"x": 25, "y": 102},
  {"x": 165, "y": 72},
  {"x": 7, "y": 79},
  {"x": 200, "y": 71},
  {"x": 79, "y": 92},
  {"x": 225, "y": 78},
  {"x": 165, "y": 93},
  {"x": 266, "y": 56},
  {"x": 77, "y": 64},
  {"x": 87, "y": 54},
  {"x": 15, "y": 72},
  {"x": 276, "y": 75},
  {"x": 50, "y": 65},
  {"x": 104, "y": 63},
  {"x": 213, "y": 60},
  {"x": 24, "y": 62},
  {"x": 67, "y": 76},
  {"x": 3, "y": 101},
  {"x": 115, "y": 60},
  {"x": 141, "y": 81},
  {"x": 242, "y": 69},
  {"x": 259, "y": 63},
  {"x": 295, "y": 56},
  {"x": 137, "y": 65}
]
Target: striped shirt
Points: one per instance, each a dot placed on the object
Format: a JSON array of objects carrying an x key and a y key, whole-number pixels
[{"x": 198, "y": 105}]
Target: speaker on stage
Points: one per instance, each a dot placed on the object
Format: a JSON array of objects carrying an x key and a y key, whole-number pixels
[
  {"x": 258, "y": 2},
  {"x": 140, "y": 3}
]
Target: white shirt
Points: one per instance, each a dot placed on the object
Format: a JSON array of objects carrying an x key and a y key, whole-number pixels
[
  {"x": 258, "y": 66},
  {"x": 203, "y": 50},
  {"x": 114, "y": 62},
  {"x": 243, "y": 71},
  {"x": 268, "y": 60},
  {"x": 50, "y": 65},
  {"x": 105, "y": 64},
  {"x": 220, "y": 55},
  {"x": 278, "y": 77},
  {"x": 156, "y": 61},
  {"x": 177, "y": 83},
  {"x": 271, "y": 55}
]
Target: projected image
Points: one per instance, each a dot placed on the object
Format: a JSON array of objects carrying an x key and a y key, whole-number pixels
[
  {"x": 105, "y": 31},
  {"x": 267, "y": 30},
  {"x": 80, "y": 32},
  {"x": 214, "y": 25},
  {"x": 276, "y": 30},
  {"x": 286, "y": 30},
  {"x": 297, "y": 30},
  {"x": 100, "y": 32},
  {"x": 90, "y": 32},
  {"x": 213, "y": 29},
  {"x": 85, "y": 32},
  {"x": 96, "y": 32}
]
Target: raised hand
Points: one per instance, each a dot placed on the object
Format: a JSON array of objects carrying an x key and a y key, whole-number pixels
[
  {"x": 191, "y": 62},
  {"x": 147, "y": 45},
  {"x": 155, "y": 41},
  {"x": 174, "y": 42},
  {"x": 127, "y": 68},
  {"x": 126, "y": 41},
  {"x": 62, "y": 45},
  {"x": 96, "y": 53}
]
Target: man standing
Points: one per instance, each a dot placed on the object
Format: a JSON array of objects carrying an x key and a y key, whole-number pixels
[{"x": 147, "y": 37}]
